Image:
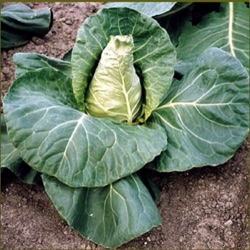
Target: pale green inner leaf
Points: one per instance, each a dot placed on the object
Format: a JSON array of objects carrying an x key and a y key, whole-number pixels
[{"x": 115, "y": 89}]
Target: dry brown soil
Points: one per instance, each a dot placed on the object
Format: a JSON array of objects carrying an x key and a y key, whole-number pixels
[{"x": 203, "y": 208}]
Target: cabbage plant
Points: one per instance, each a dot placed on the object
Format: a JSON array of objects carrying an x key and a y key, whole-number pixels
[{"x": 90, "y": 125}]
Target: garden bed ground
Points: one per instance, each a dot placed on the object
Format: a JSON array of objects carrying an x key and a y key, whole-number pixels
[{"x": 201, "y": 209}]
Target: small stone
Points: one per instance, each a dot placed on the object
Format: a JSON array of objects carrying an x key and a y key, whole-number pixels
[
  {"x": 200, "y": 181},
  {"x": 6, "y": 71},
  {"x": 225, "y": 197},
  {"x": 229, "y": 205},
  {"x": 228, "y": 223},
  {"x": 215, "y": 244},
  {"x": 181, "y": 239},
  {"x": 68, "y": 22},
  {"x": 148, "y": 239},
  {"x": 208, "y": 211},
  {"x": 153, "y": 238},
  {"x": 213, "y": 204}
]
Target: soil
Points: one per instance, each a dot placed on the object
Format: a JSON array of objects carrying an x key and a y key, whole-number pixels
[{"x": 204, "y": 208}]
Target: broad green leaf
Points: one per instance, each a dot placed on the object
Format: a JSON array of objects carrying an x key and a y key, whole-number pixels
[
  {"x": 115, "y": 90},
  {"x": 10, "y": 39},
  {"x": 227, "y": 29},
  {"x": 206, "y": 115},
  {"x": 27, "y": 62},
  {"x": 55, "y": 138},
  {"x": 19, "y": 23},
  {"x": 153, "y": 54},
  {"x": 10, "y": 156},
  {"x": 110, "y": 215},
  {"x": 11, "y": 159},
  {"x": 150, "y": 9},
  {"x": 67, "y": 56},
  {"x": 24, "y": 172},
  {"x": 179, "y": 6},
  {"x": 146, "y": 176}
]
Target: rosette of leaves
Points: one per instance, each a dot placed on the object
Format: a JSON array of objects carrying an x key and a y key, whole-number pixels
[{"x": 89, "y": 125}]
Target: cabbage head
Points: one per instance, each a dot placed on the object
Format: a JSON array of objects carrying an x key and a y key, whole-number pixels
[
  {"x": 115, "y": 90},
  {"x": 88, "y": 126}
]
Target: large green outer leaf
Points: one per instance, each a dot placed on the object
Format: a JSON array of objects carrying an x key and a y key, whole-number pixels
[
  {"x": 80, "y": 150},
  {"x": 150, "y": 9},
  {"x": 109, "y": 216},
  {"x": 227, "y": 29},
  {"x": 206, "y": 116},
  {"x": 19, "y": 23},
  {"x": 9, "y": 154},
  {"x": 11, "y": 159},
  {"x": 27, "y": 62},
  {"x": 154, "y": 53},
  {"x": 115, "y": 90}
]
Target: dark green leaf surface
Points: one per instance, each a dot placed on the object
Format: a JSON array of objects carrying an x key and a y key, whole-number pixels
[
  {"x": 11, "y": 39},
  {"x": 24, "y": 172},
  {"x": 19, "y": 23},
  {"x": 206, "y": 116},
  {"x": 80, "y": 150},
  {"x": 179, "y": 6},
  {"x": 154, "y": 53},
  {"x": 109, "y": 216},
  {"x": 150, "y": 9},
  {"x": 10, "y": 159},
  {"x": 27, "y": 62},
  {"x": 67, "y": 56},
  {"x": 227, "y": 29},
  {"x": 147, "y": 178}
]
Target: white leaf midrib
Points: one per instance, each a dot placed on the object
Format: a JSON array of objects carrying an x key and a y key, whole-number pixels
[{"x": 230, "y": 28}]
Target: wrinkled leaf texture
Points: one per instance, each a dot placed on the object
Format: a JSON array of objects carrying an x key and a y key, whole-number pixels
[
  {"x": 154, "y": 53},
  {"x": 110, "y": 215},
  {"x": 27, "y": 62},
  {"x": 9, "y": 154},
  {"x": 206, "y": 115},
  {"x": 115, "y": 90},
  {"x": 54, "y": 137},
  {"x": 19, "y": 23},
  {"x": 11, "y": 159},
  {"x": 227, "y": 29}
]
